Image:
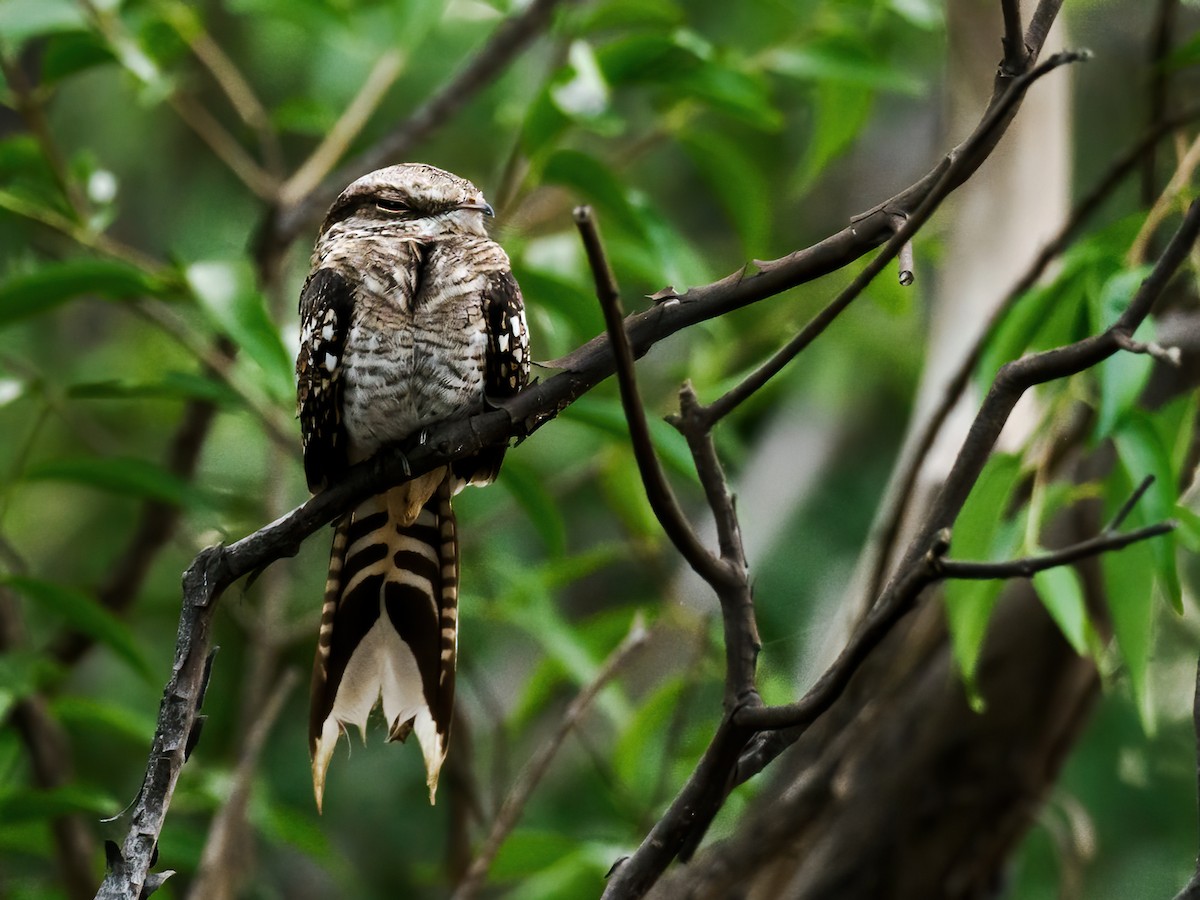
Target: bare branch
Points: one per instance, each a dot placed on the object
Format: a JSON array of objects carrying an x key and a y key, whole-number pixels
[
  {"x": 348, "y": 126},
  {"x": 887, "y": 524},
  {"x": 533, "y": 773},
  {"x": 224, "y": 146},
  {"x": 951, "y": 172},
  {"x": 1031, "y": 565},
  {"x": 1014, "y": 37},
  {"x": 218, "y": 873},
  {"x": 658, "y": 489},
  {"x": 921, "y": 562}
]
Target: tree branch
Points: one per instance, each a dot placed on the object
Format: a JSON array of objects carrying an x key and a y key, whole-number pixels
[
  {"x": 920, "y": 562},
  {"x": 658, "y": 489},
  {"x": 533, "y": 773},
  {"x": 217, "y": 568},
  {"x": 887, "y": 525}
]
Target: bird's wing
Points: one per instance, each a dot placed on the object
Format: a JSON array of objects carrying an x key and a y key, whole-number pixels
[{"x": 325, "y": 308}]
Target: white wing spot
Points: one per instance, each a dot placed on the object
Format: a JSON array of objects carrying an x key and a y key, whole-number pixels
[
  {"x": 503, "y": 342},
  {"x": 330, "y": 362},
  {"x": 327, "y": 332}
]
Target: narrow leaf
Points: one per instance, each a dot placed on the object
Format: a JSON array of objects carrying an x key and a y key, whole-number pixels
[{"x": 81, "y": 612}]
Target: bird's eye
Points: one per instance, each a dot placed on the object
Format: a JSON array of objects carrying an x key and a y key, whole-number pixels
[{"x": 391, "y": 206}]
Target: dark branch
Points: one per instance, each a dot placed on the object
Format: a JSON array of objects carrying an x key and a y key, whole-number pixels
[
  {"x": 1014, "y": 37},
  {"x": 658, "y": 489},
  {"x": 217, "y": 568},
  {"x": 921, "y": 562},
  {"x": 1029, "y": 566},
  {"x": 953, "y": 170},
  {"x": 887, "y": 525}
]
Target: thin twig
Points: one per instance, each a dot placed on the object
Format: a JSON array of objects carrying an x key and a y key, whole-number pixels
[
  {"x": 225, "y": 146},
  {"x": 218, "y": 874},
  {"x": 899, "y": 493},
  {"x": 950, "y": 174},
  {"x": 533, "y": 773},
  {"x": 236, "y": 87},
  {"x": 1127, "y": 507},
  {"x": 658, "y": 489},
  {"x": 1031, "y": 565},
  {"x": 348, "y": 126},
  {"x": 924, "y": 554}
]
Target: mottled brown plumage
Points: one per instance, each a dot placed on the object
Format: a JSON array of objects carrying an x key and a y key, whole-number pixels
[{"x": 410, "y": 316}]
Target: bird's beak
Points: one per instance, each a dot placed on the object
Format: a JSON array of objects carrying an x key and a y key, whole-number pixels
[{"x": 483, "y": 206}]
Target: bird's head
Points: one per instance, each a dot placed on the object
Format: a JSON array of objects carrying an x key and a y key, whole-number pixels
[{"x": 412, "y": 199}]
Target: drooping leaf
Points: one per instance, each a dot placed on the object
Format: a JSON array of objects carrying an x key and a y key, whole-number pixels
[
  {"x": 607, "y": 415},
  {"x": 1141, "y": 452},
  {"x": 52, "y": 285},
  {"x": 842, "y": 61},
  {"x": 1129, "y": 587},
  {"x": 1123, "y": 376},
  {"x": 541, "y": 508},
  {"x": 227, "y": 294},
  {"x": 738, "y": 183},
  {"x": 1061, "y": 593},
  {"x": 104, "y": 715},
  {"x": 124, "y": 476},
  {"x": 980, "y": 533},
  {"x": 32, "y": 805},
  {"x": 82, "y": 613},
  {"x": 172, "y": 386},
  {"x": 21, "y": 20}
]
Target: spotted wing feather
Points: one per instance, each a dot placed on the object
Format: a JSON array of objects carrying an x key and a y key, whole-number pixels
[
  {"x": 505, "y": 365},
  {"x": 326, "y": 304}
]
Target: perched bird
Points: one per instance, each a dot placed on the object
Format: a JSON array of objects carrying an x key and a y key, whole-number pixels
[{"x": 410, "y": 316}]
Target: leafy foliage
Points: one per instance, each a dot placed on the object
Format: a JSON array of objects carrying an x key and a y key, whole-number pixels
[{"x": 705, "y": 134}]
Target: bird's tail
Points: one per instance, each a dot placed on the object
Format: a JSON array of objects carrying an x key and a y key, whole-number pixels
[{"x": 389, "y": 625}]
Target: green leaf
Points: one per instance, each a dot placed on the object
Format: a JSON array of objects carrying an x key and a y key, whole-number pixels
[
  {"x": 1062, "y": 594},
  {"x": 737, "y": 181},
  {"x": 25, "y": 295},
  {"x": 227, "y": 294},
  {"x": 980, "y": 534},
  {"x": 840, "y": 61},
  {"x": 32, "y": 805},
  {"x": 1123, "y": 376},
  {"x": 590, "y": 179},
  {"x": 124, "y": 476},
  {"x": 172, "y": 386},
  {"x": 637, "y": 757},
  {"x": 628, "y": 14},
  {"x": 21, "y": 20},
  {"x": 606, "y": 415},
  {"x": 97, "y": 715},
  {"x": 1141, "y": 452},
  {"x": 1129, "y": 587},
  {"x": 72, "y": 52},
  {"x": 528, "y": 851},
  {"x": 528, "y": 488},
  {"x": 81, "y": 612},
  {"x": 840, "y": 111}
]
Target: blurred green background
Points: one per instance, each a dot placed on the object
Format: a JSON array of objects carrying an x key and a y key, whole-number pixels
[{"x": 139, "y": 144}]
